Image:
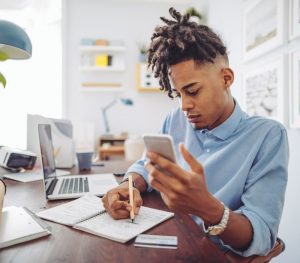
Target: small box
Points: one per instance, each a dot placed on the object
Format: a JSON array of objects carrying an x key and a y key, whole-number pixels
[
  {"x": 87, "y": 41},
  {"x": 102, "y": 60},
  {"x": 101, "y": 42}
]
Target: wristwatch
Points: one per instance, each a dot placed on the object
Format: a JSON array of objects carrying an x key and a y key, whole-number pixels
[
  {"x": 127, "y": 180},
  {"x": 219, "y": 228}
]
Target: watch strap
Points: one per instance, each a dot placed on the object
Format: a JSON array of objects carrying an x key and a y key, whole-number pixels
[
  {"x": 221, "y": 226},
  {"x": 127, "y": 180}
]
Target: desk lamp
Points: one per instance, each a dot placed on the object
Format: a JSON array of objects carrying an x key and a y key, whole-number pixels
[
  {"x": 14, "y": 44},
  {"x": 125, "y": 101}
]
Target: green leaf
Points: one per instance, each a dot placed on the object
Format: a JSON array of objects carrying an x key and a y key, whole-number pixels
[
  {"x": 3, "y": 56},
  {"x": 2, "y": 80}
]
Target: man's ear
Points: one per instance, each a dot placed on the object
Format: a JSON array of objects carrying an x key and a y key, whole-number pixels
[{"x": 228, "y": 76}]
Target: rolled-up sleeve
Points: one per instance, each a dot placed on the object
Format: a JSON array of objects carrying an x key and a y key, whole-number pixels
[{"x": 264, "y": 192}]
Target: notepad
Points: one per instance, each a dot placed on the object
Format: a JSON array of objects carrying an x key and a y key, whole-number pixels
[
  {"x": 19, "y": 225},
  {"x": 88, "y": 214}
]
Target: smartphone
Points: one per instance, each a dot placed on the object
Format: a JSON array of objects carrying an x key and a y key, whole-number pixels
[{"x": 160, "y": 143}]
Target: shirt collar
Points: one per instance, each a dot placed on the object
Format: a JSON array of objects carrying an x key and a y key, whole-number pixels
[{"x": 225, "y": 129}]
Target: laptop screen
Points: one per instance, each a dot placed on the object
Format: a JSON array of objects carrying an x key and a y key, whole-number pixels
[{"x": 48, "y": 161}]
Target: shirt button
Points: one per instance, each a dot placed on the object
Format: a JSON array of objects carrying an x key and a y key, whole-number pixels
[{"x": 208, "y": 150}]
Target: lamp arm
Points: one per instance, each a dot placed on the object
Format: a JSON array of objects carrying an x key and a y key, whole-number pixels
[
  {"x": 114, "y": 101},
  {"x": 107, "y": 129},
  {"x": 104, "y": 109}
]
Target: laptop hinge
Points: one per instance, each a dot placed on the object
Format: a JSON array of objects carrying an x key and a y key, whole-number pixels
[{"x": 51, "y": 187}]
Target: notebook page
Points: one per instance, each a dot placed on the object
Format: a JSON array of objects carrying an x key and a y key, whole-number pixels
[
  {"x": 123, "y": 230},
  {"x": 75, "y": 211}
]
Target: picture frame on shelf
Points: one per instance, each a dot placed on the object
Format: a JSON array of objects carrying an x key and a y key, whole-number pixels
[
  {"x": 145, "y": 80},
  {"x": 265, "y": 89},
  {"x": 264, "y": 23},
  {"x": 295, "y": 89},
  {"x": 294, "y": 22}
]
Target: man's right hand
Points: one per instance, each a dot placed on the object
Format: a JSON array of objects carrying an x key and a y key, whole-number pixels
[{"x": 116, "y": 201}]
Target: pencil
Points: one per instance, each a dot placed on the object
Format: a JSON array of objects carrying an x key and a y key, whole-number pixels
[{"x": 131, "y": 197}]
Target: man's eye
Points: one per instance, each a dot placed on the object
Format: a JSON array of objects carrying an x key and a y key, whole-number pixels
[{"x": 192, "y": 93}]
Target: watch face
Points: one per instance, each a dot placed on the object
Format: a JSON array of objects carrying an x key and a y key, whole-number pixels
[{"x": 216, "y": 230}]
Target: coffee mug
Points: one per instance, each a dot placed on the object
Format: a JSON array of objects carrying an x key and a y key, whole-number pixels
[{"x": 84, "y": 160}]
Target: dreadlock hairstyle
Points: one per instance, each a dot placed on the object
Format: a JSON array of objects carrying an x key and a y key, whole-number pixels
[{"x": 179, "y": 41}]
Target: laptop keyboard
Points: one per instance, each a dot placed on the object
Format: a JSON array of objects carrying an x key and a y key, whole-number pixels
[{"x": 74, "y": 185}]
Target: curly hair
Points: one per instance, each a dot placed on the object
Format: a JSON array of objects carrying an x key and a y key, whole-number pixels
[{"x": 179, "y": 41}]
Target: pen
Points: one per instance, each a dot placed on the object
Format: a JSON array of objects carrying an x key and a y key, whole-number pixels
[{"x": 131, "y": 197}]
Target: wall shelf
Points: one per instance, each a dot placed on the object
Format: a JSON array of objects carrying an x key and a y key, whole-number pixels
[
  {"x": 101, "y": 65},
  {"x": 102, "y": 48},
  {"x": 102, "y": 89},
  {"x": 104, "y": 69}
]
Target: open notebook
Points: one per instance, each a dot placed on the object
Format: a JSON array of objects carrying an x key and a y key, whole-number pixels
[{"x": 88, "y": 214}]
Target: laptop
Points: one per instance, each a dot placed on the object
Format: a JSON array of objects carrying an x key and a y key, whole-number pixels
[{"x": 71, "y": 186}]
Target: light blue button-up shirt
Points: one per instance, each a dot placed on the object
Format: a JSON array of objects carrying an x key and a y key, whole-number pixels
[{"x": 245, "y": 160}]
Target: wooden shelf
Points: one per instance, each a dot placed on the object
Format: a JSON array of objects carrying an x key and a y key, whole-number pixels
[
  {"x": 102, "y": 48},
  {"x": 104, "y": 69},
  {"x": 111, "y": 146}
]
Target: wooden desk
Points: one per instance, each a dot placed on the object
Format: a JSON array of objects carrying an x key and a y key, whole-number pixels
[{"x": 69, "y": 245}]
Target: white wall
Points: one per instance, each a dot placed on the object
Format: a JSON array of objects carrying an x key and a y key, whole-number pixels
[
  {"x": 132, "y": 22},
  {"x": 226, "y": 18},
  {"x": 34, "y": 85}
]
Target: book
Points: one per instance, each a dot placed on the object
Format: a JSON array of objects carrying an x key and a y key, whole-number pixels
[
  {"x": 88, "y": 214},
  {"x": 156, "y": 241},
  {"x": 19, "y": 225}
]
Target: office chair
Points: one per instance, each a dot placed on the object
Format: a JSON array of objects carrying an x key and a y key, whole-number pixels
[
  {"x": 213, "y": 254},
  {"x": 277, "y": 249}
]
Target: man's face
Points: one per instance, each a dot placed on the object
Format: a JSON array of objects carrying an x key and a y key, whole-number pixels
[{"x": 203, "y": 92}]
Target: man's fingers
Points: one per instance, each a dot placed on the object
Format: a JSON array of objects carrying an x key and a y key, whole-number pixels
[
  {"x": 167, "y": 168},
  {"x": 191, "y": 161},
  {"x": 119, "y": 214},
  {"x": 158, "y": 179}
]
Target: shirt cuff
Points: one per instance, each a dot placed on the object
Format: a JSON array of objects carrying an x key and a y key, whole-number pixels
[
  {"x": 261, "y": 243},
  {"x": 142, "y": 172}
]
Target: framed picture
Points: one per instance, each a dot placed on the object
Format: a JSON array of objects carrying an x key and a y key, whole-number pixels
[
  {"x": 145, "y": 80},
  {"x": 264, "y": 26},
  {"x": 265, "y": 90},
  {"x": 295, "y": 89},
  {"x": 294, "y": 14}
]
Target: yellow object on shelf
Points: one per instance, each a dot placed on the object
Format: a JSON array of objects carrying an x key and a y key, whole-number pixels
[{"x": 102, "y": 60}]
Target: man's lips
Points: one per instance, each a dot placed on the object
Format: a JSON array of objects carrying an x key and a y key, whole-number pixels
[{"x": 193, "y": 118}]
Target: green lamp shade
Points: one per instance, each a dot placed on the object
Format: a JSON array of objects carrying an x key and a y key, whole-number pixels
[{"x": 14, "y": 42}]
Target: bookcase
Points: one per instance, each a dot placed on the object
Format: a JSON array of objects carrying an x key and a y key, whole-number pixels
[
  {"x": 112, "y": 147},
  {"x": 102, "y": 67}
]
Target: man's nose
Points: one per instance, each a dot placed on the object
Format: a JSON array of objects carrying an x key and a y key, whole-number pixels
[{"x": 185, "y": 103}]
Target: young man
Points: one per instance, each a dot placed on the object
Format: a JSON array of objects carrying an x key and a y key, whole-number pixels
[{"x": 232, "y": 169}]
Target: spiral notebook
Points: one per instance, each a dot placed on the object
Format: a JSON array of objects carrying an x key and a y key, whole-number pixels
[{"x": 88, "y": 214}]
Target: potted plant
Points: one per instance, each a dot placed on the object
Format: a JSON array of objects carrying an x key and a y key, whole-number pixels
[
  {"x": 143, "y": 53},
  {"x": 196, "y": 16}
]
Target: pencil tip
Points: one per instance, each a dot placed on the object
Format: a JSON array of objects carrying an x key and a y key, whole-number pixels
[{"x": 131, "y": 220}]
